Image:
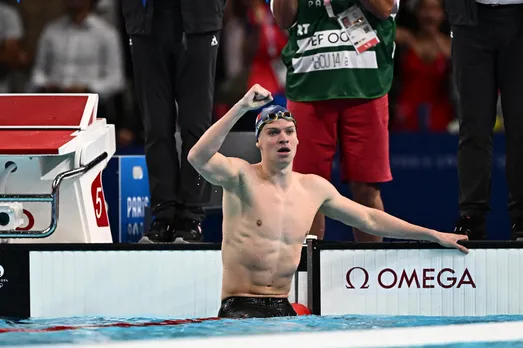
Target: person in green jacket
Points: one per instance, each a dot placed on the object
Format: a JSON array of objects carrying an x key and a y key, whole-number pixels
[{"x": 339, "y": 59}]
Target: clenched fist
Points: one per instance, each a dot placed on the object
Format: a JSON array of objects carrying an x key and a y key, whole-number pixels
[{"x": 255, "y": 98}]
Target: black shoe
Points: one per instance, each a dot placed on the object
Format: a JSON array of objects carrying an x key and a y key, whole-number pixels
[
  {"x": 517, "y": 231},
  {"x": 161, "y": 231},
  {"x": 188, "y": 231},
  {"x": 473, "y": 227}
]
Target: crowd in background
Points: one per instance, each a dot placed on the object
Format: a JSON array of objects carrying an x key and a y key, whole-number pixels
[{"x": 42, "y": 51}]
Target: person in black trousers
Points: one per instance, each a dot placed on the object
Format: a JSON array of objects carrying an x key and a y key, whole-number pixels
[
  {"x": 487, "y": 55},
  {"x": 174, "y": 46}
]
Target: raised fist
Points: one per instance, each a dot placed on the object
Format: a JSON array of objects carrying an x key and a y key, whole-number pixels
[{"x": 255, "y": 98}]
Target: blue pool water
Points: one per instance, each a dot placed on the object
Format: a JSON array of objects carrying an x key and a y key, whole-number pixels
[{"x": 104, "y": 329}]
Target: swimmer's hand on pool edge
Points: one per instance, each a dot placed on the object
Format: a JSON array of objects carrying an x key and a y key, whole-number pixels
[
  {"x": 375, "y": 221},
  {"x": 451, "y": 240}
]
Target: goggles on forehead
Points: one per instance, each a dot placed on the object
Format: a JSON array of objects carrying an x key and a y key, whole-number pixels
[{"x": 271, "y": 117}]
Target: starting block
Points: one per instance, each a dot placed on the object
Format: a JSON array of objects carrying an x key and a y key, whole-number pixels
[{"x": 52, "y": 153}]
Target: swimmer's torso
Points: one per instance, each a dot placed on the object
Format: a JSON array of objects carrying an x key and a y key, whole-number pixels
[{"x": 264, "y": 227}]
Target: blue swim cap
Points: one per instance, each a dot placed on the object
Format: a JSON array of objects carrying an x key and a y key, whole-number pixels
[{"x": 270, "y": 114}]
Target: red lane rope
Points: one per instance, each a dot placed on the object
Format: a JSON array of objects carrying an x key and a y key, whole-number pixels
[{"x": 120, "y": 324}]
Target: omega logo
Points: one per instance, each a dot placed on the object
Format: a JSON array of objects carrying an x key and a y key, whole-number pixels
[{"x": 425, "y": 278}]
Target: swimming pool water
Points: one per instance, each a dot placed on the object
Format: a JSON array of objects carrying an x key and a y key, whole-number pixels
[{"x": 98, "y": 330}]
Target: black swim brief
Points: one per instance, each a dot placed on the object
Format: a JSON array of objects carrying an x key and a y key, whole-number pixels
[{"x": 255, "y": 307}]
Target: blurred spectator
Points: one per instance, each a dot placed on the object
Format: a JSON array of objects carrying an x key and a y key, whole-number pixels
[
  {"x": 110, "y": 11},
  {"x": 253, "y": 47},
  {"x": 11, "y": 54},
  {"x": 264, "y": 43},
  {"x": 36, "y": 15},
  {"x": 230, "y": 86},
  {"x": 79, "y": 53},
  {"x": 424, "y": 101},
  {"x": 233, "y": 41}
]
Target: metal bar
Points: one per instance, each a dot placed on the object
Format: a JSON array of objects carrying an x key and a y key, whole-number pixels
[
  {"x": 27, "y": 198},
  {"x": 53, "y": 198},
  {"x": 296, "y": 286},
  {"x": 313, "y": 276}
]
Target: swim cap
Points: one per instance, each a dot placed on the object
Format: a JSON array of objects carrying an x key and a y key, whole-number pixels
[{"x": 270, "y": 114}]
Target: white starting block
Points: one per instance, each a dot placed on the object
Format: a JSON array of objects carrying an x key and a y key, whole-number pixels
[{"x": 52, "y": 153}]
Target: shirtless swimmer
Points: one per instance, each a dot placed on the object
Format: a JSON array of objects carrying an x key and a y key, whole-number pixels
[{"x": 268, "y": 210}]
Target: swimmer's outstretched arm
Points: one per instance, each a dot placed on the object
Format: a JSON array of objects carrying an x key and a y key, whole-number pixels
[
  {"x": 204, "y": 156},
  {"x": 377, "y": 222}
]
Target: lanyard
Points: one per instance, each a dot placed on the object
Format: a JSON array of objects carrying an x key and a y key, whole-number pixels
[{"x": 328, "y": 7}]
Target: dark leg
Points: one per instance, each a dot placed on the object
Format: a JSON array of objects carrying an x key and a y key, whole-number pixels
[
  {"x": 510, "y": 72},
  {"x": 154, "y": 65},
  {"x": 474, "y": 60},
  {"x": 195, "y": 92}
]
